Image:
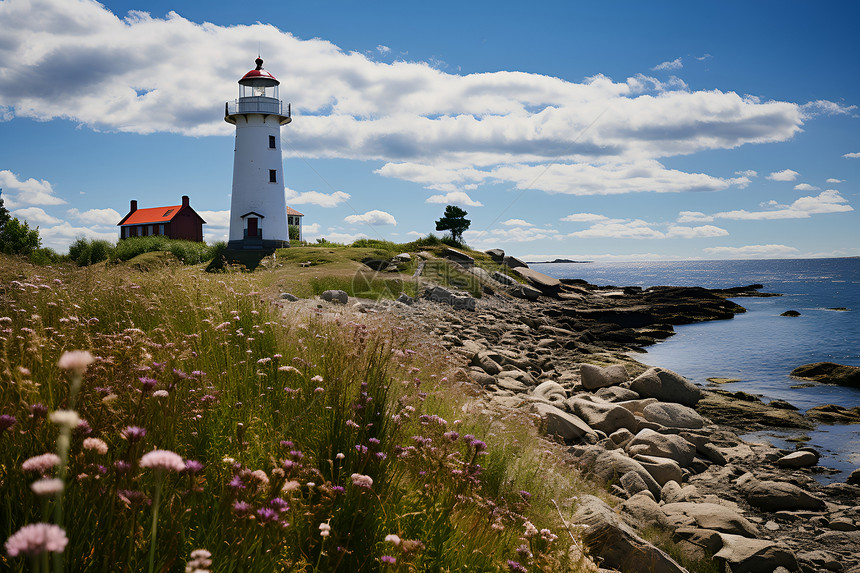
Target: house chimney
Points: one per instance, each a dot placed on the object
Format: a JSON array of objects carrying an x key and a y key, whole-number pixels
[
  {"x": 185, "y": 200},
  {"x": 133, "y": 206}
]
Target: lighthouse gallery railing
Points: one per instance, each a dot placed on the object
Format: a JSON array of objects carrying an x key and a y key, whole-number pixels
[{"x": 257, "y": 105}]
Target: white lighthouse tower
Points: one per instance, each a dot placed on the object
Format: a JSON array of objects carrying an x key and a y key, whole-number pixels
[{"x": 258, "y": 210}]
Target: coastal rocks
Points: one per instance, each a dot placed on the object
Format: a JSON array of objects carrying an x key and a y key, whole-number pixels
[
  {"x": 777, "y": 496},
  {"x": 445, "y": 296},
  {"x": 560, "y": 423},
  {"x": 833, "y": 414},
  {"x": 799, "y": 459},
  {"x": 498, "y": 255},
  {"x": 605, "y": 417},
  {"x": 744, "y": 555},
  {"x": 524, "y": 291},
  {"x": 514, "y": 263},
  {"x": 289, "y": 297},
  {"x": 791, "y": 313},
  {"x": 650, "y": 443},
  {"x": 405, "y": 299},
  {"x": 673, "y": 415},
  {"x": 616, "y": 543},
  {"x": 552, "y": 392},
  {"x": 595, "y": 377},
  {"x": 829, "y": 373},
  {"x": 663, "y": 470},
  {"x": 458, "y": 257},
  {"x": 607, "y": 465},
  {"x": 503, "y": 279},
  {"x": 666, "y": 386},
  {"x": 710, "y": 516},
  {"x": 726, "y": 408},
  {"x": 336, "y": 296},
  {"x": 539, "y": 280},
  {"x": 642, "y": 511}
]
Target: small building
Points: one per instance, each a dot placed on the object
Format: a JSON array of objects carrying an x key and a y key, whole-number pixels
[
  {"x": 174, "y": 222},
  {"x": 294, "y": 218}
]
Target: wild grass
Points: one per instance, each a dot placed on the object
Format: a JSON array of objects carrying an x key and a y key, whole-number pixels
[{"x": 308, "y": 443}]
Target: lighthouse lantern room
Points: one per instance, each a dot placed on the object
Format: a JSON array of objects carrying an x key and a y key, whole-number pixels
[{"x": 258, "y": 211}]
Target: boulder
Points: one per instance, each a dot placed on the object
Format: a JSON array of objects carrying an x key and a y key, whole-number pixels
[
  {"x": 621, "y": 437},
  {"x": 799, "y": 459},
  {"x": 406, "y": 299},
  {"x": 672, "y": 415},
  {"x": 481, "y": 377},
  {"x": 402, "y": 258},
  {"x": 503, "y": 278},
  {"x": 514, "y": 263},
  {"x": 633, "y": 484},
  {"x": 336, "y": 296},
  {"x": 642, "y": 511},
  {"x": 829, "y": 373},
  {"x": 561, "y": 423},
  {"x": 697, "y": 544},
  {"x": 711, "y": 516},
  {"x": 613, "y": 464},
  {"x": 637, "y": 406},
  {"x": 666, "y": 386},
  {"x": 744, "y": 555},
  {"x": 616, "y": 543},
  {"x": 777, "y": 496},
  {"x": 458, "y": 257},
  {"x": 616, "y": 394},
  {"x": 498, "y": 255},
  {"x": 605, "y": 417},
  {"x": 524, "y": 291},
  {"x": 550, "y": 391},
  {"x": 791, "y": 313},
  {"x": 650, "y": 443},
  {"x": 443, "y": 295},
  {"x": 595, "y": 377},
  {"x": 854, "y": 477},
  {"x": 485, "y": 362},
  {"x": 289, "y": 296},
  {"x": 663, "y": 470},
  {"x": 538, "y": 280}
]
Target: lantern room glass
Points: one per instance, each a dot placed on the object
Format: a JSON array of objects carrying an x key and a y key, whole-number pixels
[{"x": 258, "y": 91}]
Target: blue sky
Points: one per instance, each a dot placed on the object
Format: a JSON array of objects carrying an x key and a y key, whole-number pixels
[{"x": 589, "y": 130}]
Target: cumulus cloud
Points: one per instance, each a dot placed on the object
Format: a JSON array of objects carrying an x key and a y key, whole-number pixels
[
  {"x": 383, "y": 49},
  {"x": 215, "y": 219},
  {"x": 60, "y": 236},
  {"x": 510, "y": 235},
  {"x": 374, "y": 217},
  {"x": 824, "y": 107},
  {"x": 829, "y": 201},
  {"x": 757, "y": 251},
  {"x": 747, "y": 173},
  {"x": 584, "y": 218},
  {"x": 454, "y": 198},
  {"x": 35, "y": 216},
  {"x": 21, "y": 193},
  {"x": 639, "y": 229},
  {"x": 806, "y": 187},
  {"x": 694, "y": 217},
  {"x": 852, "y": 155},
  {"x": 63, "y": 60},
  {"x": 784, "y": 175},
  {"x": 832, "y": 180},
  {"x": 103, "y": 217},
  {"x": 682, "y": 232},
  {"x": 316, "y": 198},
  {"x": 517, "y": 223},
  {"x": 675, "y": 64}
]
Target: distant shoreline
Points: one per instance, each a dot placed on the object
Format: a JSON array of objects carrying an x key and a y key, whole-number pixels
[{"x": 557, "y": 261}]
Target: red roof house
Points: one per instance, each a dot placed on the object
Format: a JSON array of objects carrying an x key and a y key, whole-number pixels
[
  {"x": 175, "y": 222},
  {"x": 294, "y": 219}
]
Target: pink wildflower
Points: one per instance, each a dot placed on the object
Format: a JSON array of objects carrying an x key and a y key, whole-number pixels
[
  {"x": 160, "y": 394},
  {"x": 388, "y": 559},
  {"x": 325, "y": 529},
  {"x": 76, "y": 360},
  {"x": 362, "y": 481},
  {"x": 35, "y": 539},
  {"x": 96, "y": 444},
  {"x": 47, "y": 486},
  {"x": 41, "y": 463},
  {"x": 391, "y": 538},
  {"x": 162, "y": 459}
]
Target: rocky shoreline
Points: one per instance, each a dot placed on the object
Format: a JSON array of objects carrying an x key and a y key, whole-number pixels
[{"x": 668, "y": 450}]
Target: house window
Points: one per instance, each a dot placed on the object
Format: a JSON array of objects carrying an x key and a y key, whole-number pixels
[
  {"x": 273, "y": 176},
  {"x": 161, "y": 229},
  {"x": 272, "y": 142},
  {"x": 149, "y": 229}
]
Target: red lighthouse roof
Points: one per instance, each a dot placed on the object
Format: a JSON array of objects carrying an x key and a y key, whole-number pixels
[{"x": 259, "y": 76}]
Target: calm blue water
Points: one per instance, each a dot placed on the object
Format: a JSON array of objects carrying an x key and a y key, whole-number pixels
[{"x": 760, "y": 347}]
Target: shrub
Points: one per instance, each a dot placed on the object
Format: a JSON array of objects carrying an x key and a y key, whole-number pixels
[{"x": 85, "y": 251}]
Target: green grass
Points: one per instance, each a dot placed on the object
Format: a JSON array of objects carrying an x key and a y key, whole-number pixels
[{"x": 281, "y": 408}]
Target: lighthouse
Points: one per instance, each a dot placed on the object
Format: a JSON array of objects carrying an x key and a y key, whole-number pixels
[{"x": 258, "y": 210}]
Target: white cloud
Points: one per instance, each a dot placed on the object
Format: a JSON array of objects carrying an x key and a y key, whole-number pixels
[
  {"x": 374, "y": 217},
  {"x": 67, "y": 65},
  {"x": 316, "y": 198},
  {"x": 829, "y": 201},
  {"x": 824, "y": 107},
  {"x": 20, "y": 193},
  {"x": 105, "y": 217},
  {"x": 747, "y": 173},
  {"x": 510, "y": 235},
  {"x": 675, "y": 64},
  {"x": 584, "y": 218},
  {"x": 681, "y": 232},
  {"x": 703, "y": 57},
  {"x": 755, "y": 251},
  {"x": 60, "y": 236},
  {"x": 806, "y": 187},
  {"x": 454, "y": 198},
  {"x": 338, "y": 237},
  {"x": 35, "y": 216},
  {"x": 383, "y": 49},
  {"x": 694, "y": 217},
  {"x": 517, "y": 223},
  {"x": 630, "y": 229},
  {"x": 831, "y": 180},
  {"x": 215, "y": 219},
  {"x": 415, "y": 234},
  {"x": 784, "y": 175},
  {"x": 852, "y": 155}
]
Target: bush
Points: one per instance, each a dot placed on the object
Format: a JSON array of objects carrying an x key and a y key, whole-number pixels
[
  {"x": 189, "y": 252},
  {"x": 85, "y": 251},
  {"x": 44, "y": 256}
]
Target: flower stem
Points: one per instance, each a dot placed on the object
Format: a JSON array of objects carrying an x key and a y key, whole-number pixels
[{"x": 155, "y": 503}]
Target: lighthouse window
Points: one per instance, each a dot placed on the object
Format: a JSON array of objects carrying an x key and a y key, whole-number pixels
[
  {"x": 273, "y": 176},
  {"x": 271, "y": 142}
]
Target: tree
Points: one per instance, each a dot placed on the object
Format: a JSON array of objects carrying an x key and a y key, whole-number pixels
[
  {"x": 454, "y": 220},
  {"x": 16, "y": 237}
]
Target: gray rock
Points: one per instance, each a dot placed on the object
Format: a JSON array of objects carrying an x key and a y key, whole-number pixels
[
  {"x": 650, "y": 443},
  {"x": 443, "y": 295},
  {"x": 663, "y": 470},
  {"x": 402, "y": 258},
  {"x": 524, "y": 291},
  {"x": 616, "y": 543},
  {"x": 616, "y": 394},
  {"x": 406, "y": 299},
  {"x": 550, "y": 391},
  {"x": 799, "y": 459},
  {"x": 822, "y": 560},
  {"x": 337, "y": 296},
  {"x": 697, "y": 544},
  {"x": 745, "y": 555},
  {"x": 642, "y": 511},
  {"x": 485, "y": 362},
  {"x": 672, "y": 493},
  {"x": 458, "y": 256},
  {"x": 538, "y": 280},
  {"x": 481, "y": 377},
  {"x": 666, "y": 386},
  {"x": 498, "y": 255},
  {"x": 503, "y": 278},
  {"x": 605, "y": 417},
  {"x": 595, "y": 377},
  {"x": 612, "y": 464},
  {"x": 712, "y": 516},
  {"x": 633, "y": 483},
  {"x": 637, "y": 406},
  {"x": 289, "y": 296},
  {"x": 778, "y": 496},
  {"x": 673, "y": 415},
  {"x": 514, "y": 262},
  {"x": 561, "y": 423},
  {"x": 621, "y": 436}
]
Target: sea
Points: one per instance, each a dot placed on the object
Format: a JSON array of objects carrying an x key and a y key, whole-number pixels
[{"x": 759, "y": 347}]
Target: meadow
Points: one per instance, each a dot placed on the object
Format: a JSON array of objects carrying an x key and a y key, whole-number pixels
[{"x": 177, "y": 420}]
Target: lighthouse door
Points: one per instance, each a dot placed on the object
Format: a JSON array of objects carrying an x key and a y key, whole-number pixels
[{"x": 252, "y": 227}]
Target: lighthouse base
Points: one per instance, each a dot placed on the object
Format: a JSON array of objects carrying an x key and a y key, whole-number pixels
[{"x": 255, "y": 244}]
